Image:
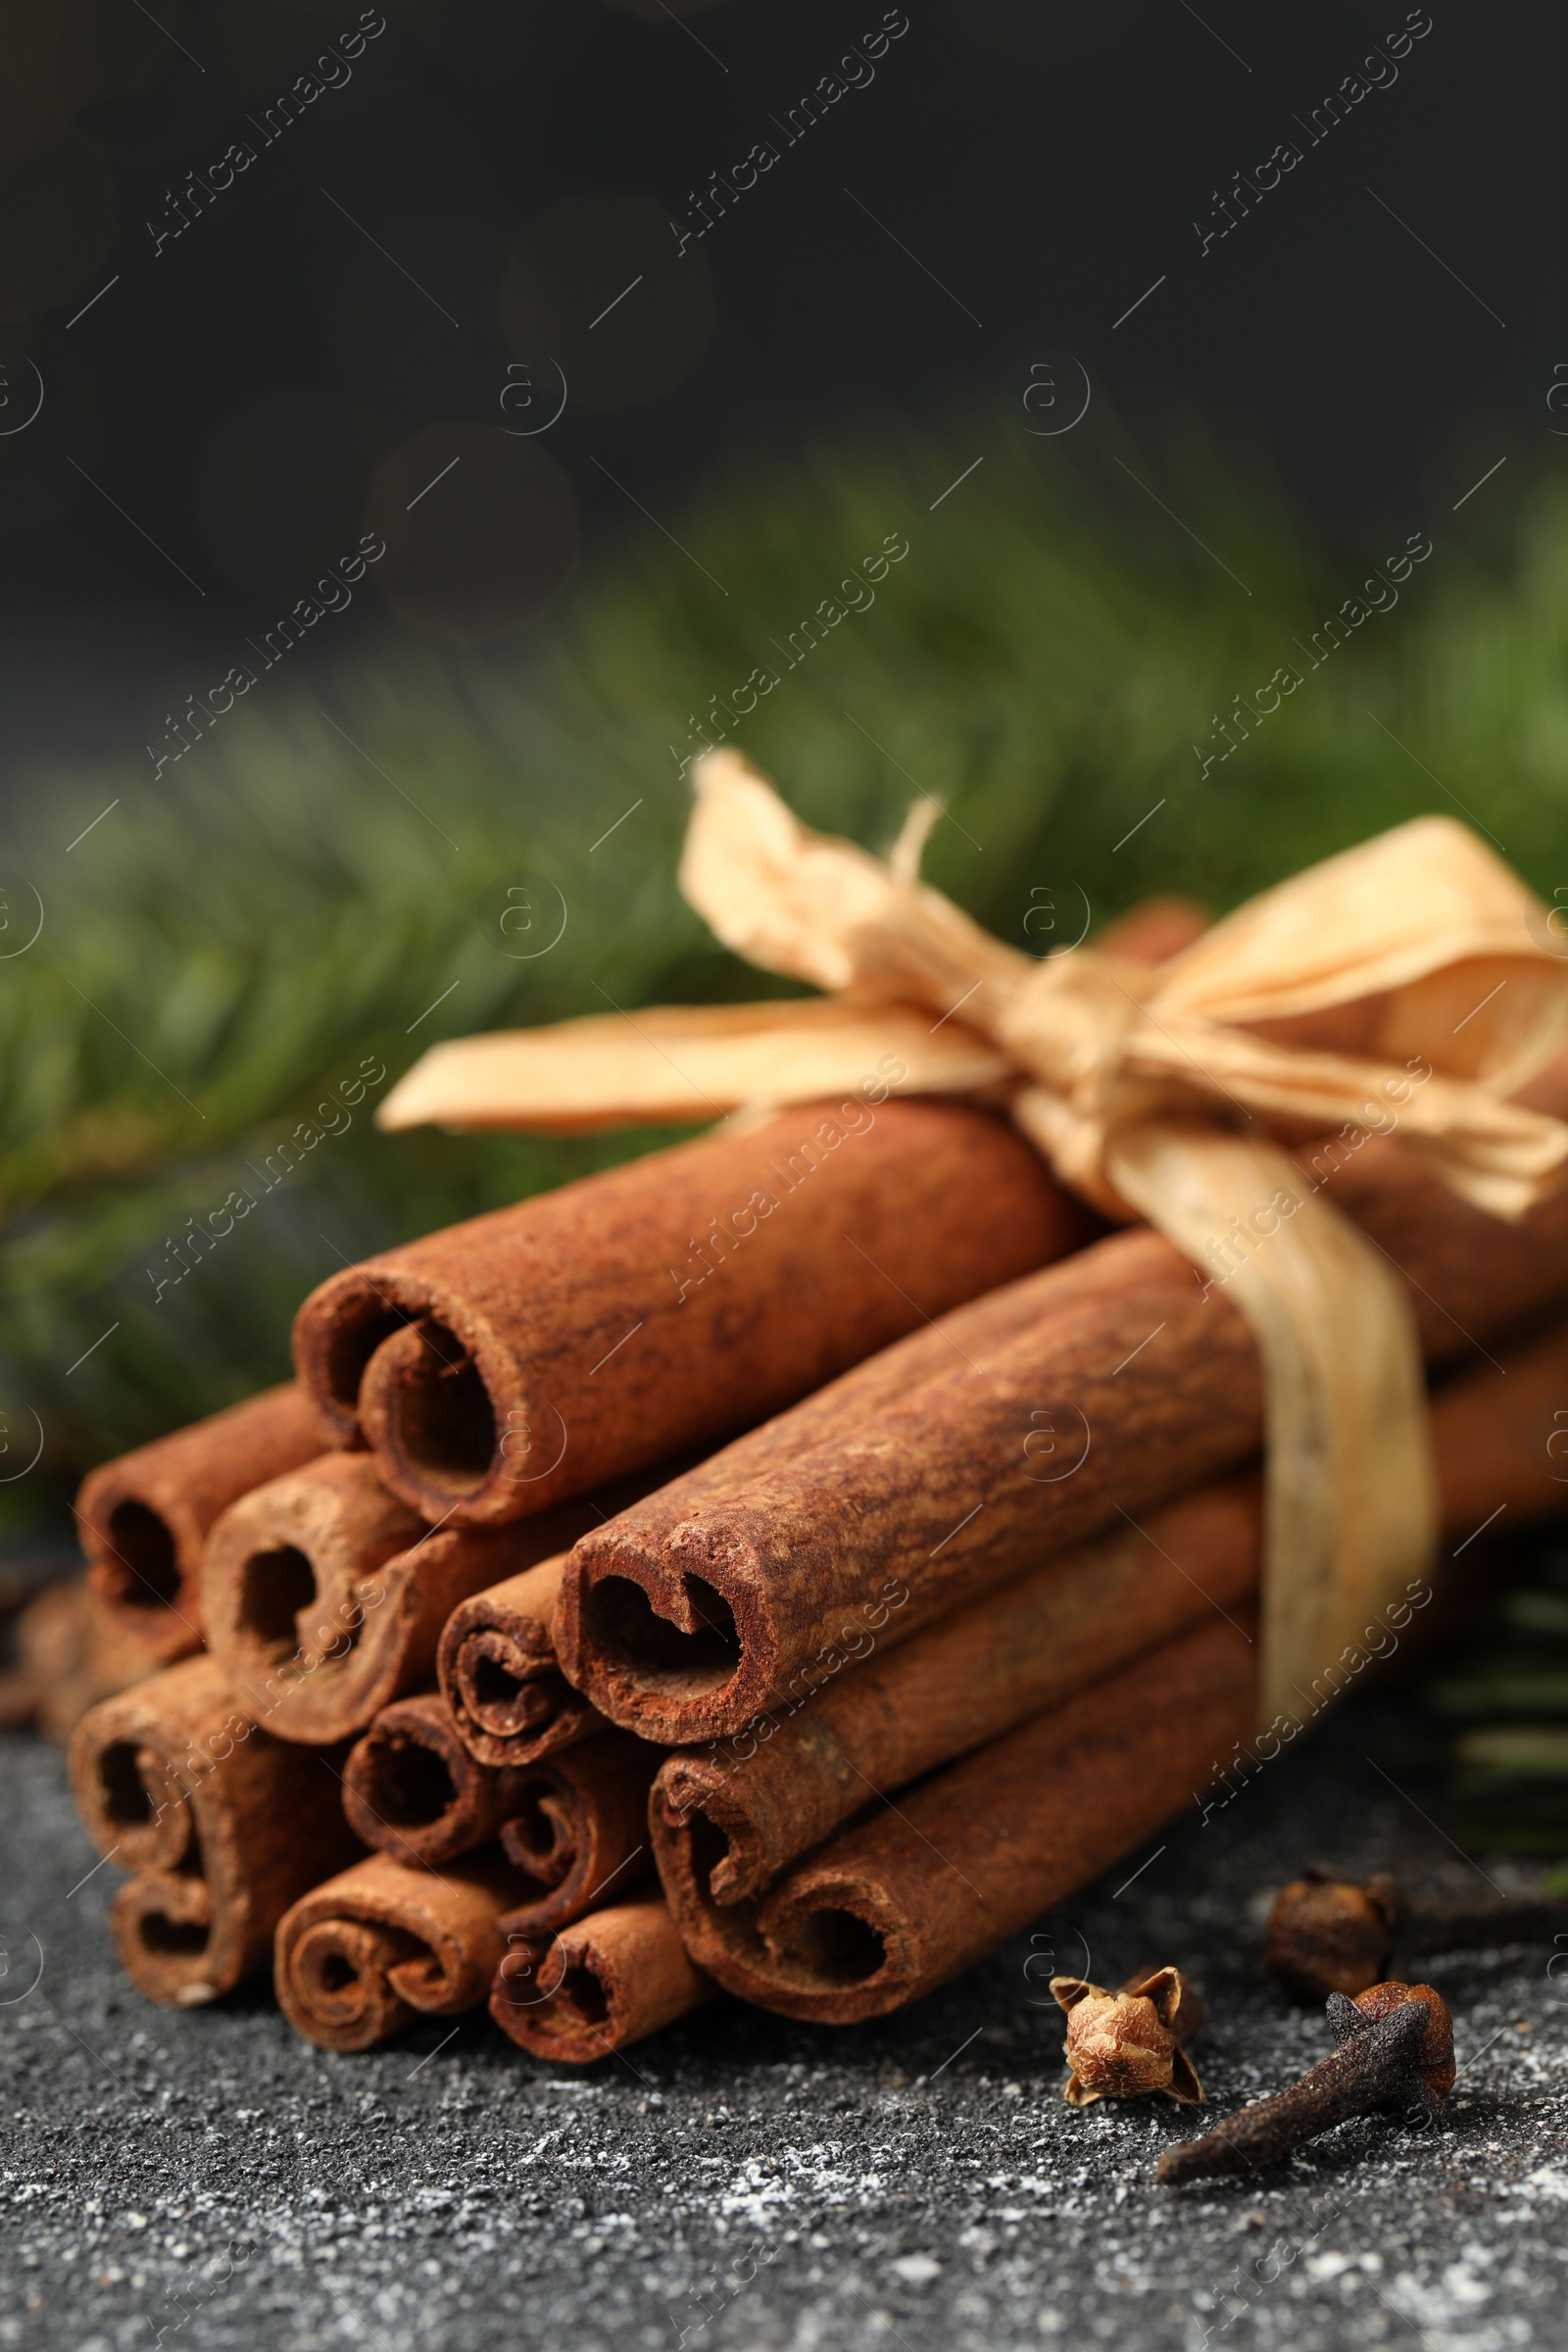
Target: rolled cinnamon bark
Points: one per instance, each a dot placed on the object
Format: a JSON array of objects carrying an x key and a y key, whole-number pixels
[
  {"x": 69, "y": 1655},
  {"x": 727, "y": 1822},
  {"x": 971, "y": 1854},
  {"x": 579, "y": 1830},
  {"x": 508, "y": 1701},
  {"x": 610, "y": 1979},
  {"x": 533, "y": 1352},
  {"x": 412, "y": 1790},
  {"x": 575, "y": 1827},
  {"x": 144, "y": 1517},
  {"x": 497, "y": 1660},
  {"x": 389, "y": 1942},
  {"x": 324, "y": 1595},
  {"x": 1131, "y": 1382},
  {"x": 223, "y": 1826}
]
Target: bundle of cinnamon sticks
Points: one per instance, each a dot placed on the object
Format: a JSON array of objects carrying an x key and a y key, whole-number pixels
[{"x": 784, "y": 1565}]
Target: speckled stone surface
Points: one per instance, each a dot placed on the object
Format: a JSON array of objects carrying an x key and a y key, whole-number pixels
[{"x": 205, "y": 2178}]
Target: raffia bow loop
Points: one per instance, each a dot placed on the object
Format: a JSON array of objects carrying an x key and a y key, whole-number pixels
[{"x": 827, "y": 911}]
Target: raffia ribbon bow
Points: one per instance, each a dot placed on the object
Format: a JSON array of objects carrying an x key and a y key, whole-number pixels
[{"x": 1410, "y": 984}]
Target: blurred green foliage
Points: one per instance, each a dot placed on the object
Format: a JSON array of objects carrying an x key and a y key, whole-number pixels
[
  {"x": 242, "y": 932},
  {"x": 1502, "y": 1690}
]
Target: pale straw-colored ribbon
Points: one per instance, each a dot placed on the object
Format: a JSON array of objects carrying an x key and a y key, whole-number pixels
[{"x": 1155, "y": 1093}]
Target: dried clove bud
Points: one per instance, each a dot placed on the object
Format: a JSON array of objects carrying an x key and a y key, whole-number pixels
[
  {"x": 1395, "y": 2052},
  {"x": 1330, "y": 1935},
  {"x": 1122, "y": 2044}
]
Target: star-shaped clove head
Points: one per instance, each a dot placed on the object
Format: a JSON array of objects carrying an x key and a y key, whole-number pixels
[
  {"x": 1122, "y": 2044},
  {"x": 1329, "y": 1934}
]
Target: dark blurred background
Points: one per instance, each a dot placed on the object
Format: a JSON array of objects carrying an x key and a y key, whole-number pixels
[{"x": 270, "y": 357}]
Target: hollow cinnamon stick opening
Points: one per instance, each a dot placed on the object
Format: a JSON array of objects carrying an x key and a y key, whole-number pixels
[
  {"x": 577, "y": 1829},
  {"x": 292, "y": 1589},
  {"x": 997, "y": 1458},
  {"x": 500, "y": 1676},
  {"x": 388, "y": 1942},
  {"x": 412, "y": 1790},
  {"x": 607, "y": 1982},
  {"x": 325, "y": 1597},
  {"x": 223, "y": 1827},
  {"x": 536, "y": 1352},
  {"x": 498, "y": 1663},
  {"x": 1130, "y": 1382},
  {"x": 144, "y": 1516}
]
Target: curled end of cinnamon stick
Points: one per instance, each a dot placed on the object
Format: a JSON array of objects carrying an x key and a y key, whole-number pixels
[
  {"x": 577, "y": 1829},
  {"x": 426, "y": 1409},
  {"x": 136, "y": 1574},
  {"x": 336, "y": 1332},
  {"x": 162, "y": 1924},
  {"x": 144, "y": 1516},
  {"x": 609, "y": 1980},
  {"x": 301, "y": 1586},
  {"x": 822, "y": 1944},
  {"x": 359, "y": 1957},
  {"x": 507, "y": 1694},
  {"x": 675, "y": 1641},
  {"x": 500, "y": 1675},
  {"x": 724, "y": 1828},
  {"x": 341, "y": 1991},
  {"x": 411, "y": 1787}
]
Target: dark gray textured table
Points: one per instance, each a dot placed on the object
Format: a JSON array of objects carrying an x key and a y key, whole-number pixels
[{"x": 206, "y": 2179}]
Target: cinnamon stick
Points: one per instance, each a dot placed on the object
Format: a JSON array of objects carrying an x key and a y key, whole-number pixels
[
  {"x": 508, "y": 1701},
  {"x": 387, "y": 1942},
  {"x": 497, "y": 1659},
  {"x": 575, "y": 1825},
  {"x": 610, "y": 1979},
  {"x": 69, "y": 1655},
  {"x": 223, "y": 1826},
  {"x": 727, "y": 1822},
  {"x": 412, "y": 1790},
  {"x": 324, "y": 1595},
  {"x": 728, "y": 1818},
  {"x": 533, "y": 1352},
  {"x": 578, "y": 1829},
  {"x": 144, "y": 1516},
  {"x": 1130, "y": 1383},
  {"x": 882, "y": 1914}
]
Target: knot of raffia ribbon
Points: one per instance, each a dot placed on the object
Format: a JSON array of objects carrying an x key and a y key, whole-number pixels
[{"x": 1411, "y": 984}]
